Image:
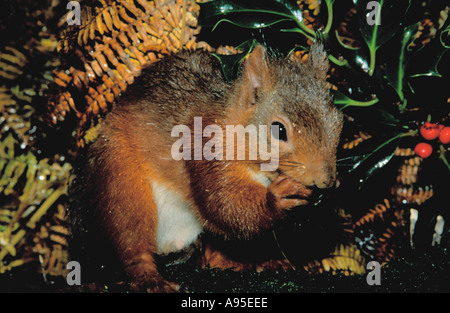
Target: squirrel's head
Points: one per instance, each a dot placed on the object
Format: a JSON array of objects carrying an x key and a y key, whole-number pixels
[{"x": 295, "y": 99}]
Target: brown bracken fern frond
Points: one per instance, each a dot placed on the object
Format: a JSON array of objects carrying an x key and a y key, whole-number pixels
[
  {"x": 375, "y": 213},
  {"x": 345, "y": 259},
  {"x": 35, "y": 185},
  {"x": 377, "y": 231},
  {"x": 358, "y": 138},
  {"x": 407, "y": 188},
  {"x": 115, "y": 41}
]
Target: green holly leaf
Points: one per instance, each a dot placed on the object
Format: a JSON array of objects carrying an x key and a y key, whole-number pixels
[
  {"x": 343, "y": 101},
  {"x": 388, "y": 20},
  {"x": 230, "y": 63},
  {"x": 367, "y": 159},
  {"x": 395, "y": 69},
  {"x": 253, "y": 14},
  {"x": 427, "y": 59}
]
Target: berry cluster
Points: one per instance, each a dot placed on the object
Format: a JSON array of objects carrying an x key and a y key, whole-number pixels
[{"x": 430, "y": 131}]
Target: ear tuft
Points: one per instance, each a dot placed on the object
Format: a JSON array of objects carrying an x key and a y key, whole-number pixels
[
  {"x": 256, "y": 73},
  {"x": 318, "y": 60}
]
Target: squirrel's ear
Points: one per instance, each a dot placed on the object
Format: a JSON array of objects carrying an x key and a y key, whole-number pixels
[
  {"x": 256, "y": 74},
  {"x": 318, "y": 60}
]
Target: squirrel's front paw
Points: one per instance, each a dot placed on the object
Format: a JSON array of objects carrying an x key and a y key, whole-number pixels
[{"x": 286, "y": 193}]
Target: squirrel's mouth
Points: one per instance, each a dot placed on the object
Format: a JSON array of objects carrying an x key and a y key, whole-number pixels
[{"x": 310, "y": 196}]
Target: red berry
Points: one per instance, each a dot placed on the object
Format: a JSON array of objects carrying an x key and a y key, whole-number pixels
[
  {"x": 429, "y": 131},
  {"x": 444, "y": 136},
  {"x": 423, "y": 150}
]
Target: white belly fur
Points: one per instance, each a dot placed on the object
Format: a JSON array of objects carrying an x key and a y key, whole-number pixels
[{"x": 177, "y": 225}]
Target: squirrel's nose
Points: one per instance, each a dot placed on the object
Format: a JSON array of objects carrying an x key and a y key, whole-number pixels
[
  {"x": 319, "y": 182},
  {"x": 323, "y": 184},
  {"x": 320, "y": 177},
  {"x": 325, "y": 177}
]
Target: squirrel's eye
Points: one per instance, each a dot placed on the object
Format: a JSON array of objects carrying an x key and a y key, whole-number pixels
[{"x": 281, "y": 134}]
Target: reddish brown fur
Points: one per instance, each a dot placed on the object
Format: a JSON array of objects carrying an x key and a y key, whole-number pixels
[{"x": 134, "y": 145}]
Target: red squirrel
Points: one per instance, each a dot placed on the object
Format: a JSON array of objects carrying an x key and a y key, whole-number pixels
[{"x": 131, "y": 190}]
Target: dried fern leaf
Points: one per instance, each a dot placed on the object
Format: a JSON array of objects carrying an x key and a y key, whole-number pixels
[
  {"x": 36, "y": 186},
  {"x": 358, "y": 138},
  {"x": 377, "y": 233},
  {"x": 312, "y": 6},
  {"x": 11, "y": 63},
  {"x": 408, "y": 188},
  {"x": 117, "y": 39},
  {"x": 373, "y": 214},
  {"x": 344, "y": 259}
]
